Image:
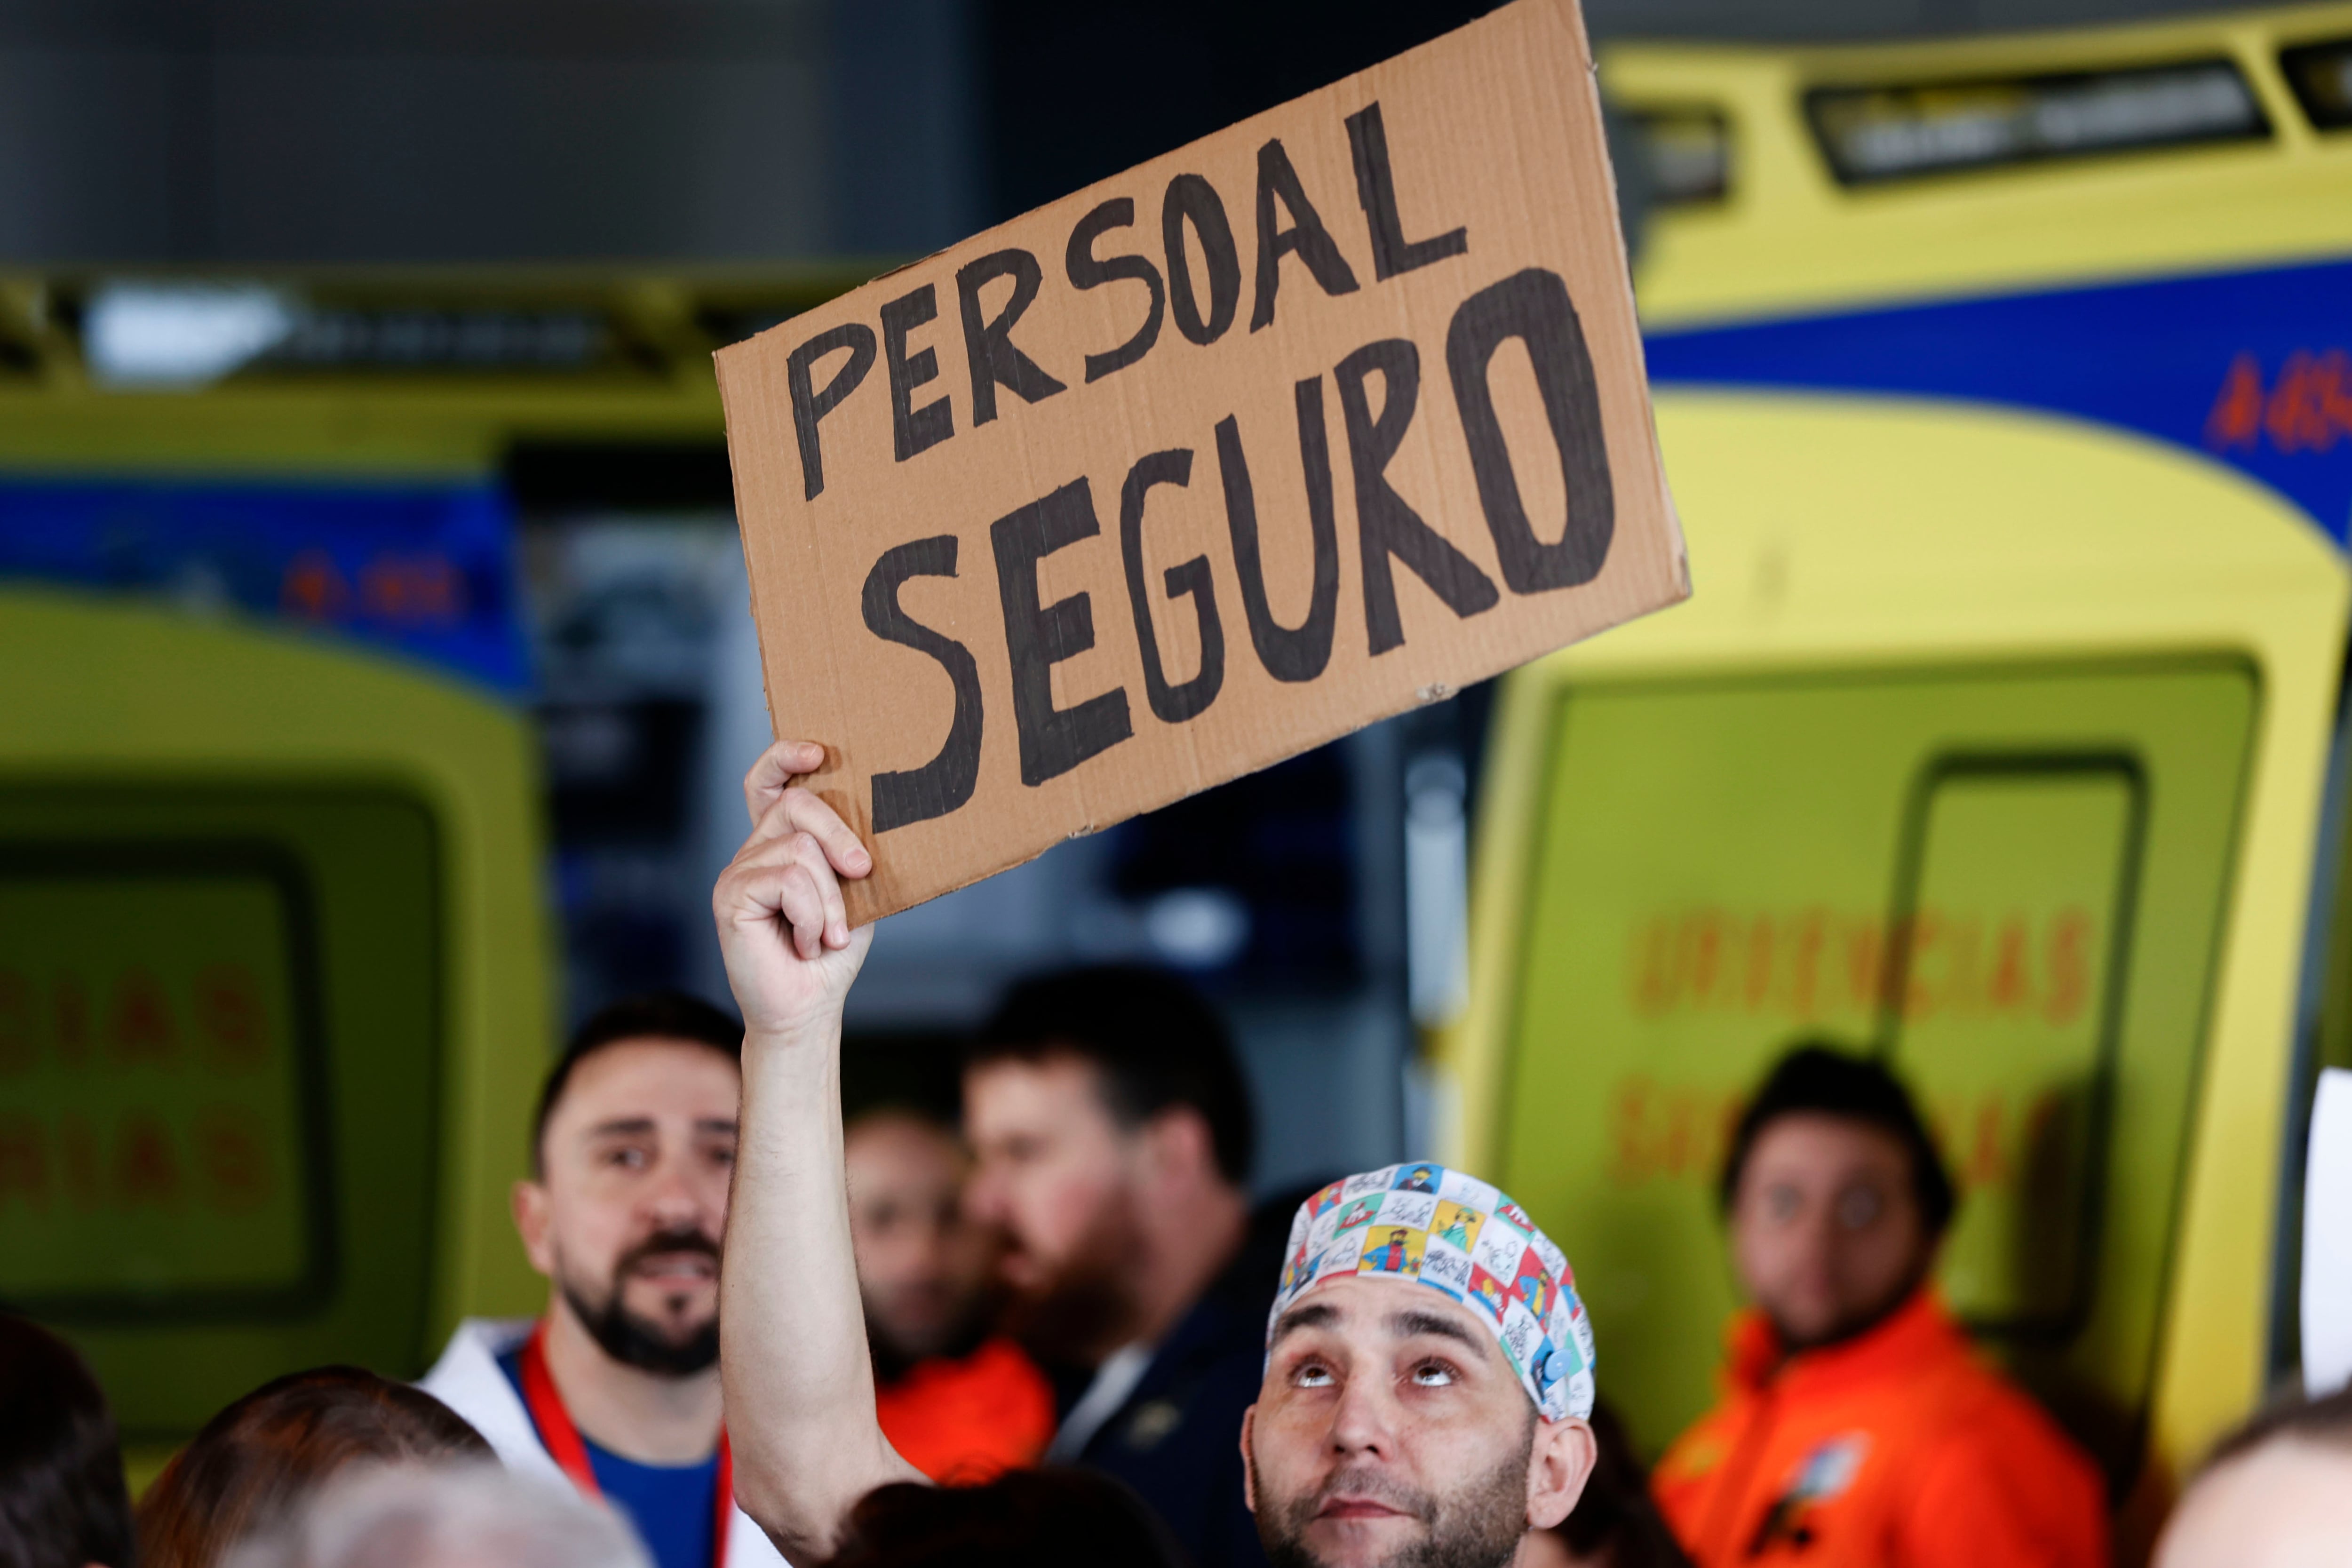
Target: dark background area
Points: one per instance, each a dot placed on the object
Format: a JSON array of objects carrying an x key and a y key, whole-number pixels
[{"x": 410, "y": 130}]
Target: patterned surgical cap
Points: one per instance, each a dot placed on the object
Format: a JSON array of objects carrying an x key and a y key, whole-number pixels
[{"x": 1454, "y": 1233}]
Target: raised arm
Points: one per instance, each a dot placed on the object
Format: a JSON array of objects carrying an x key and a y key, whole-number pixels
[{"x": 798, "y": 1376}]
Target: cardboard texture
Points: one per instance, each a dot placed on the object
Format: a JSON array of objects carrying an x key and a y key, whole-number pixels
[{"x": 1320, "y": 417}]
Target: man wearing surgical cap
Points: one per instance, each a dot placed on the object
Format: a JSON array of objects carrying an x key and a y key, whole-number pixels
[
  {"x": 1428, "y": 1366},
  {"x": 1429, "y": 1370}
]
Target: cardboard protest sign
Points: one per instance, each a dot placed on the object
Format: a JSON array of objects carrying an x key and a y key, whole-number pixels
[{"x": 1322, "y": 417}]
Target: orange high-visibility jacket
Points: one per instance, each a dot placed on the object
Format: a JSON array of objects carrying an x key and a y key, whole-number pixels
[
  {"x": 969, "y": 1419},
  {"x": 1896, "y": 1450}
]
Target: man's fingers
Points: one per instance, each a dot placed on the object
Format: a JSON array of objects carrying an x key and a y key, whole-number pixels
[
  {"x": 801, "y": 903},
  {"x": 774, "y": 771},
  {"x": 767, "y": 869},
  {"x": 813, "y": 858},
  {"x": 776, "y": 886},
  {"x": 799, "y": 811}
]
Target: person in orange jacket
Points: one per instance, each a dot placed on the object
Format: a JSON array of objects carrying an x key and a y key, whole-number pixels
[
  {"x": 957, "y": 1402},
  {"x": 1857, "y": 1427}
]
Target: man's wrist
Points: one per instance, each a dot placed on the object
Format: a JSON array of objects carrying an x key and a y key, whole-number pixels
[{"x": 813, "y": 1033}]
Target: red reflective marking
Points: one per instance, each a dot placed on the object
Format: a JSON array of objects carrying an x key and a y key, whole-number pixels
[
  {"x": 140, "y": 1026},
  {"x": 24, "y": 1162},
  {"x": 230, "y": 1017},
  {"x": 232, "y": 1158},
  {"x": 146, "y": 1171}
]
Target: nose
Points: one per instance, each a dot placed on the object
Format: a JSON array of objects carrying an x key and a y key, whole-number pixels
[
  {"x": 984, "y": 1198},
  {"x": 1363, "y": 1421},
  {"x": 672, "y": 1203}
]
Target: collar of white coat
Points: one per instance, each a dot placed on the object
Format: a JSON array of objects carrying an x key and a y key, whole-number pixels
[{"x": 469, "y": 1381}]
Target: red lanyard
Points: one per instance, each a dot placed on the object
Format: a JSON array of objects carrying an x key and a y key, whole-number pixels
[{"x": 570, "y": 1451}]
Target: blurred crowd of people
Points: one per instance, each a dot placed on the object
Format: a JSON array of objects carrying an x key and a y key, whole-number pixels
[{"x": 1061, "y": 1332}]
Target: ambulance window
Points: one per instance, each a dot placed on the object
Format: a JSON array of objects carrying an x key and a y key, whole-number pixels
[
  {"x": 220, "y": 1066},
  {"x": 2321, "y": 75},
  {"x": 1905, "y": 130},
  {"x": 2009, "y": 880},
  {"x": 1689, "y": 155},
  {"x": 159, "y": 1072},
  {"x": 2015, "y": 919}
]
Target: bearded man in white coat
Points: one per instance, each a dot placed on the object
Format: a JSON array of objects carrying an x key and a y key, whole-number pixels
[{"x": 616, "y": 1387}]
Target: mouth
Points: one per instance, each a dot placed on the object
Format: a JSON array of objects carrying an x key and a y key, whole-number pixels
[
  {"x": 1358, "y": 1508},
  {"x": 677, "y": 1268}
]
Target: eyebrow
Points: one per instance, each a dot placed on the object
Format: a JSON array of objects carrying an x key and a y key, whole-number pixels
[
  {"x": 726, "y": 1124},
  {"x": 621, "y": 1127},
  {"x": 1314, "y": 1316},
  {"x": 1407, "y": 1325}
]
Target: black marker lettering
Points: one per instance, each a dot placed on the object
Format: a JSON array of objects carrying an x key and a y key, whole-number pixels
[
  {"x": 1087, "y": 272},
  {"x": 945, "y": 781},
  {"x": 1053, "y": 740},
  {"x": 912, "y": 429},
  {"x": 1385, "y": 524},
  {"x": 1191, "y": 199},
  {"x": 1376, "y": 189},
  {"x": 1299, "y": 653},
  {"x": 809, "y": 406},
  {"x": 989, "y": 344},
  {"x": 1171, "y": 704},
  {"x": 1306, "y": 236},
  {"x": 1534, "y": 307}
]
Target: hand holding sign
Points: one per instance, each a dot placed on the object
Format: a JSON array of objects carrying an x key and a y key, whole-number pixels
[
  {"x": 1384, "y": 452},
  {"x": 784, "y": 929}
]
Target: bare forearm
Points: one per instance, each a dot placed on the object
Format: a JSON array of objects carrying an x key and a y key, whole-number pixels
[{"x": 799, "y": 1380}]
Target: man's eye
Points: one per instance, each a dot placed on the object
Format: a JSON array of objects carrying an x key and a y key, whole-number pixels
[
  {"x": 627, "y": 1158},
  {"x": 1859, "y": 1207},
  {"x": 725, "y": 1157},
  {"x": 1433, "y": 1374},
  {"x": 1782, "y": 1203},
  {"x": 1314, "y": 1375}
]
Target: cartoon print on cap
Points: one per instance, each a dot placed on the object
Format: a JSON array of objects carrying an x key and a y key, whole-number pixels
[
  {"x": 1534, "y": 1285},
  {"x": 1426, "y": 1225},
  {"x": 1487, "y": 1291},
  {"x": 1446, "y": 1269},
  {"x": 1456, "y": 1225},
  {"x": 1393, "y": 1249}
]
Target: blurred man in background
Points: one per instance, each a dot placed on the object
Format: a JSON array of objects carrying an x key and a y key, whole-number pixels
[
  {"x": 616, "y": 1385},
  {"x": 1858, "y": 1427},
  {"x": 2277, "y": 1493},
  {"x": 62, "y": 1499},
  {"x": 1113, "y": 1132},
  {"x": 958, "y": 1401}
]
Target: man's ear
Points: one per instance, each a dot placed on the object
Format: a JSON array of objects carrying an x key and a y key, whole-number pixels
[
  {"x": 1558, "y": 1464},
  {"x": 1179, "y": 1147},
  {"x": 1249, "y": 1459},
  {"x": 534, "y": 1222}
]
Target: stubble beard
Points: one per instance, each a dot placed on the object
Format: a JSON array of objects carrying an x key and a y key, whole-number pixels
[{"x": 1474, "y": 1526}]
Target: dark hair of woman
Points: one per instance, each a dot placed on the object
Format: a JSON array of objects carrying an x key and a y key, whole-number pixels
[
  {"x": 1048, "y": 1517},
  {"x": 264, "y": 1454},
  {"x": 62, "y": 1499}
]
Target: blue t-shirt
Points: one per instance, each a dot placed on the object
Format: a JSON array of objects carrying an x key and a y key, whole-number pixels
[{"x": 674, "y": 1507}]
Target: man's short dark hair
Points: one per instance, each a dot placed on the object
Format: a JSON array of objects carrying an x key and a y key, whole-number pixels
[
  {"x": 62, "y": 1499},
  {"x": 1817, "y": 1078},
  {"x": 1152, "y": 1039},
  {"x": 656, "y": 1015}
]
